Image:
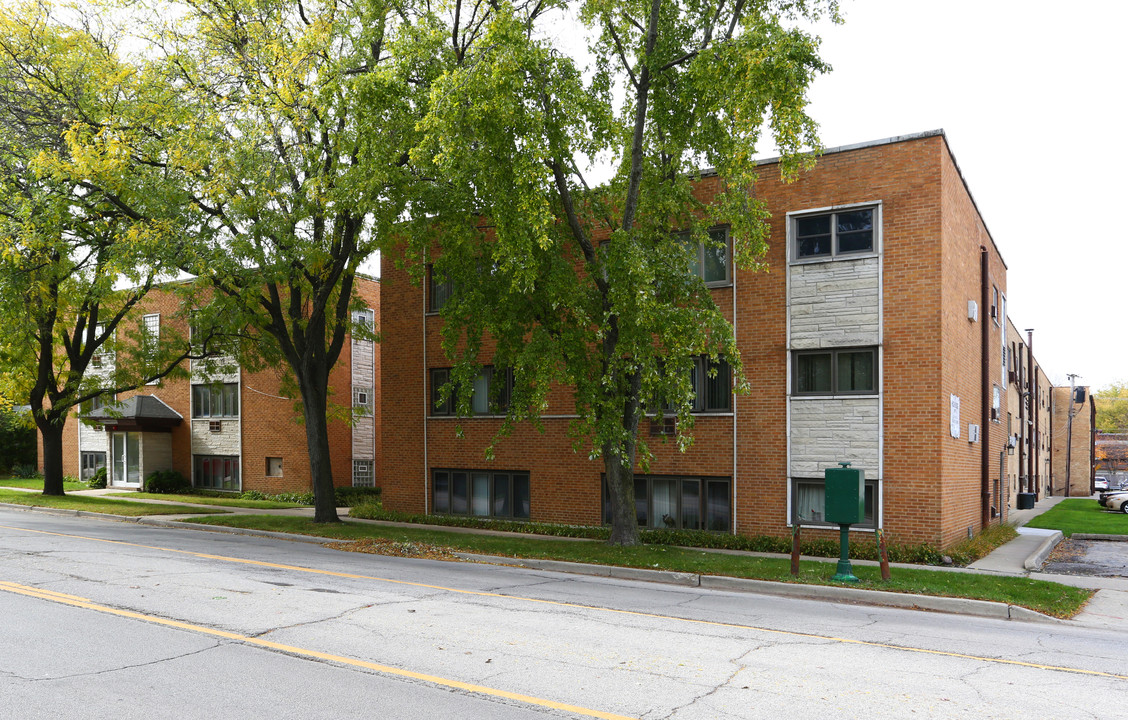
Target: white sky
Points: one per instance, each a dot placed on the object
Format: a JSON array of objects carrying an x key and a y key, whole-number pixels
[{"x": 1032, "y": 97}]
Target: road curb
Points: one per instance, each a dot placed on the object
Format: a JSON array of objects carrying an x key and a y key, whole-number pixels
[
  {"x": 1038, "y": 558},
  {"x": 855, "y": 596},
  {"x": 1097, "y": 536}
]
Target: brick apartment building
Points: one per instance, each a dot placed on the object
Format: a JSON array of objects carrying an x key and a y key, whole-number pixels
[
  {"x": 230, "y": 429},
  {"x": 878, "y": 335}
]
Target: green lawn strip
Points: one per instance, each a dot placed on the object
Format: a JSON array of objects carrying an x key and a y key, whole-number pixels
[
  {"x": 37, "y": 484},
  {"x": 93, "y": 503},
  {"x": 1081, "y": 515},
  {"x": 1045, "y": 597},
  {"x": 205, "y": 500}
]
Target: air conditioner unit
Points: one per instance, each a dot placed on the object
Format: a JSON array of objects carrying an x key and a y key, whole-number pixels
[
  {"x": 972, "y": 433},
  {"x": 972, "y": 310},
  {"x": 1012, "y": 441}
]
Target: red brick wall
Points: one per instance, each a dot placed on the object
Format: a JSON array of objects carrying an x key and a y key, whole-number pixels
[
  {"x": 269, "y": 423},
  {"x": 931, "y": 236}
]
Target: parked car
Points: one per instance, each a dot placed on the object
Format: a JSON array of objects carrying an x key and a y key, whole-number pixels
[
  {"x": 1100, "y": 483},
  {"x": 1118, "y": 502},
  {"x": 1106, "y": 497}
]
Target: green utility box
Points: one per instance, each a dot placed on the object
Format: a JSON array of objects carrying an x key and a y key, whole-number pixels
[{"x": 845, "y": 495}]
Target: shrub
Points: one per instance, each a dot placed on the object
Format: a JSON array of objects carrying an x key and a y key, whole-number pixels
[
  {"x": 252, "y": 495},
  {"x": 25, "y": 471},
  {"x": 353, "y": 496},
  {"x": 166, "y": 481},
  {"x": 305, "y": 498},
  {"x": 98, "y": 479}
]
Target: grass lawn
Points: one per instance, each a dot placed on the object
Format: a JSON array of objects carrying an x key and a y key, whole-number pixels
[
  {"x": 206, "y": 500},
  {"x": 1081, "y": 515},
  {"x": 37, "y": 484},
  {"x": 1045, "y": 597},
  {"x": 93, "y": 503}
]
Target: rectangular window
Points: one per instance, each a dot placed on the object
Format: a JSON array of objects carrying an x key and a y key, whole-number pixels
[
  {"x": 712, "y": 390},
  {"x": 362, "y": 474},
  {"x": 840, "y": 371},
  {"x": 215, "y": 400},
  {"x": 150, "y": 337},
  {"x": 274, "y": 467},
  {"x": 808, "y": 502},
  {"x": 710, "y": 261},
  {"x": 439, "y": 290},
  {"x": 90, "y": 462},
  {"x": 831, "y": 235},
  {"x": 362, "y": 401},
  {"x": 481, "y": 493},
  {"x": 686, "y": 503},
  {"x": 489, "y": 396},
  {"x": 215, "y": 472},
  {"x": 364, "y": 319}
]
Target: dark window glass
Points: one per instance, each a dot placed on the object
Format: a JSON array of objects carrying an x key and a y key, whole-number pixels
[
  {"x": 708, "y": 261},
  {"x": 717, "y": 505},
  {"x": 691, "y": 504},
  {"x": 215, "y": 400},
  {"x": 855, "y": 231},
  {"x": 442, "y": 492},
  {"x": 813, "y": 373},
  {"x": 808, "y": 502},
  {"x": 459, "y": 501},
  {"x": 439, "y": 290},
  {"x": 521, "y": 504},
  {"x": 674, "y": 502},
  {"x": 500, "y": 496},
  {"x": 855, "y": 371},
  {"x": 481, "y": 493},
  {"x": 439, "y": 377},
  {"x": 718, "y": 389},
  {"x": 813, "y": 235}
]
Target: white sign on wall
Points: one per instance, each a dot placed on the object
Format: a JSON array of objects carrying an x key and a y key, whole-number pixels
[{"x": 955, "y": 421}]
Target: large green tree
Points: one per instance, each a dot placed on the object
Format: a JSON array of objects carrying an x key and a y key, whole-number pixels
[
  {"x": 589, "y": 284},
  {"x": 290, "y": 124},
  {"x": 77, "y": 224}
]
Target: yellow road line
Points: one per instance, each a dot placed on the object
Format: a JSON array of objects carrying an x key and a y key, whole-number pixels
[
  {"x": 304, "y": 652},
  {"x": 789, "y": 633}
]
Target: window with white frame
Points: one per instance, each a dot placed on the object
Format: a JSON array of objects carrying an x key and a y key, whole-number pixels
[
  {"x": 710, "y": 261},
  {"x": 362, "y": 401},
  {"x": 835, "y": 371},
  {"x": 102, "y": 356},
  {"x": 91, "y": 462},
  {"x": 150, "y": 337},
  {"x": 362, "y": 474},
  {"x": 833, "y": 234},
  {"x": 808, "y": 502},
  {"x": 365, "y": 320}
]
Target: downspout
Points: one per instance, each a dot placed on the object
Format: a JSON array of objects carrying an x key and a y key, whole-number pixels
[
  {"x": 734, "y": 334},
  {"x": 1092, "y": 443},
  {"x": 985, "y": 393},
  {"x": 1031, "y": 435}
]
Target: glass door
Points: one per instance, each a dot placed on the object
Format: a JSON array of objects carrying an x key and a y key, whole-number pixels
[{"x": 126, "y": 452}]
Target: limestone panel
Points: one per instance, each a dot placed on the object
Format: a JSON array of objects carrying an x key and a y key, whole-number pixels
[
  {"x": 825, "y": 431},
  {"x": 835, "y": 304}
]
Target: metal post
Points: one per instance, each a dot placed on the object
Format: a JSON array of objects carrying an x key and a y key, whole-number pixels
[{"x": 844, "y": 572}]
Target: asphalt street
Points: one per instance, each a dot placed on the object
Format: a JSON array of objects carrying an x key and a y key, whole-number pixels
[{"x": 118, "y": 620}]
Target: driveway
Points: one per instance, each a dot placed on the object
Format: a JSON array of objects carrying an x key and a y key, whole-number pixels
[{"x": 1104, "y": 558}]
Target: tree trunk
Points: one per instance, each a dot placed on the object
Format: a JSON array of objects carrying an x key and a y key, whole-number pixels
[
  {"x": 620, "y": 486},
  {"x": 51, "y": 428},
  {"x": 314, "y": 406}
]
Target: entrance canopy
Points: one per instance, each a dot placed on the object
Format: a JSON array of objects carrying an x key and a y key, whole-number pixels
[{"x": 144, "y": 413}]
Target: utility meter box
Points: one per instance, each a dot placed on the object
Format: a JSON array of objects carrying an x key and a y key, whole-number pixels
[{"x": 845, "y": 495}]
